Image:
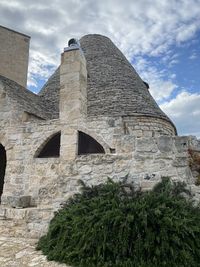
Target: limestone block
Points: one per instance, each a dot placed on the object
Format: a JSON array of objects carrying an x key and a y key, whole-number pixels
[
  {"x": 186, "y": 174},
  {"x": 165, "y": 155},
  {"x": 181, "y": 143},
  {"x": 165, "y": 143},
  {"x": 73, "y": 80},
  {"x": 142, "y": 156},
  {"x": 180, "y": 162},
  {"x": 14, "y": 55},
  {"x": 194, "y": 143},
  {"x": 147, "y": 133},
  {"x": 17, "y": 214},
  {"x": 147, "y": 185},
  {"x": 2, "y": 212},
  {"x": 72, "y": 56},
  {"x": 137, "y": 133},
  {"x": 69, "y": 79},
  {"x": 169, "y": 172},
  {"x": 127, "y": 144},
  {"x": 37, "y": 229},
  {"x": 85, "y": 169},
  {"x": 36, "y": 214},
  {"x": 70, "y": 67},
  {"x": 146, "y": 145},
  {"x": 19, "y": 201}
]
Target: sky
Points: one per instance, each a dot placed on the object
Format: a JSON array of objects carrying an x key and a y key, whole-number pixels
[{"x": 161, "y": 38}]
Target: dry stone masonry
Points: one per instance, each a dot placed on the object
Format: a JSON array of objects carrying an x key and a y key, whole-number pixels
[
  {"x": 94, "y": 118},
  {"x": 14, "y": 54}
]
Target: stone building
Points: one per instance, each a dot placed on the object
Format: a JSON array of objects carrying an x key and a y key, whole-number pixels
[
  {"x": 94, "y": 118},
  {"x": 14, "y": 55}
]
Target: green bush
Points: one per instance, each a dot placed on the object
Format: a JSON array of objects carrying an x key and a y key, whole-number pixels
[{"x": 113, "y": 225}]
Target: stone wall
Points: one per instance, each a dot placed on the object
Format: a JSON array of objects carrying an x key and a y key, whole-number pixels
[
  {"x": 148, "y": 126},
  {"x": 14, "y": 53},
  {"x": 49, "y": 181},
  {"x": 142, "y": 148}
]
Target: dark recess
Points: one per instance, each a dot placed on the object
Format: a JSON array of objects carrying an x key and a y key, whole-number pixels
[
  {"x": 51, "y": 148},
  {"x": 88, "y": 145},
  {"x": 2, "y": 168}
]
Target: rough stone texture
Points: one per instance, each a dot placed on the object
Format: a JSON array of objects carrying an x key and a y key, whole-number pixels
[
  {"x": 147, "y": 126},
  {"x": 24, "y": 222},
  {"x": 14, "y": 54},
  {"x": 114, "y": 87},
  {"x": 21, "y": 253},
  {"x": 140, "y": 145},
  {"x": 24, "y": 99},
  {"x": 19, "y": 201},
  {"x": 50, "y": 93},
  {"x": 73, "y": 83},
  {"x": 50, "y": 181}
]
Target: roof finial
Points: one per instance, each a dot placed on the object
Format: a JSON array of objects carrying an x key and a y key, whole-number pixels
[{"x": 73, "y": 44}]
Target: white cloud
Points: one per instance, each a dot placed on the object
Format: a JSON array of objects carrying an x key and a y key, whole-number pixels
[
  {"x": 184, "y": 110},
  {"x": 137, "y": 27},
  {"x": 160, "y": 88},
  {"x": 193, "y": 55},
  {"x": 185, "y": 33}
]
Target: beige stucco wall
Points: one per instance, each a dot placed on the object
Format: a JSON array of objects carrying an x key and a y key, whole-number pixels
[{"x": 14, "y": 54}]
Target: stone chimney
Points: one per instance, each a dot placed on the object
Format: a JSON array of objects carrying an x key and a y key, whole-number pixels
[
  {"x": 73, "y": 83},
  {"x": 14, "y": 55},
  {"x": 73, "y": 97}
]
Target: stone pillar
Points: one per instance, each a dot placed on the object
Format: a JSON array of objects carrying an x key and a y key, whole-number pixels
[
  {"x": 73, "y": 82},
  {"x": 73, "y": 98}
]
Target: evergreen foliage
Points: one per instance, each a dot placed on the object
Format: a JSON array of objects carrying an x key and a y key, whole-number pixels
[{"x": 113, "y": 225}]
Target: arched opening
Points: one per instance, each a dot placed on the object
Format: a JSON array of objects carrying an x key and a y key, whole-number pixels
[
  {"x": 88, "y": 145},
  {"x": 51, "y": 148},
  {"x": 2, "y": 168}
]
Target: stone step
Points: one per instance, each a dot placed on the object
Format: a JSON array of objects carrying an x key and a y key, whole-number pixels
[
  {"x": 21, "y": 252},
  {"x": 26, "y": 222},
  {"x": 13, "y": 228},
  {"x": 8, "y": 212}
]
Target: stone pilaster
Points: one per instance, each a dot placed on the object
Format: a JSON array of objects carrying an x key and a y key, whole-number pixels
[
  {"x": 73, "y": 98},
  {"x": 73, "y": 82}
]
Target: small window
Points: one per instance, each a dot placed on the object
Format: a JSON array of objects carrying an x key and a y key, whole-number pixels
[
  {"x": 51, "y": 149},
  {"x": 88, "y": 145}
]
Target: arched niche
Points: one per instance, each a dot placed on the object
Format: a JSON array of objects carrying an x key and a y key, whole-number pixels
[
  {"x": 2, "y": 168},
  {"x": 88, "y": 145},
  {"x": 50, "y": 148}
]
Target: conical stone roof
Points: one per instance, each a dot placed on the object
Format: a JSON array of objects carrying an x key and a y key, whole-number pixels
[{"x": 114, "y": 87}]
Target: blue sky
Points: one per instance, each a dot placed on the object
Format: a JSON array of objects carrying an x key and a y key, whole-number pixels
[{"x": 160, "y": 38}]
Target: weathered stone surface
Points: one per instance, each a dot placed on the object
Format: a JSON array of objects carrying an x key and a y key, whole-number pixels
[
  {"x": 165, "y": 143},
  {"x": 112, "y": 75},
  {"x": 180, "y": 162},
  {"x": 138, "y": 142},
  {"x": 147, "y": 185},
  {"x": 19, "y": 201},
  {"x": 181, "y": 143},
  {"x": 14, "y": 54},
  {"x": 146, "y": 145},
  {"x": 21, "y": 252}
]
